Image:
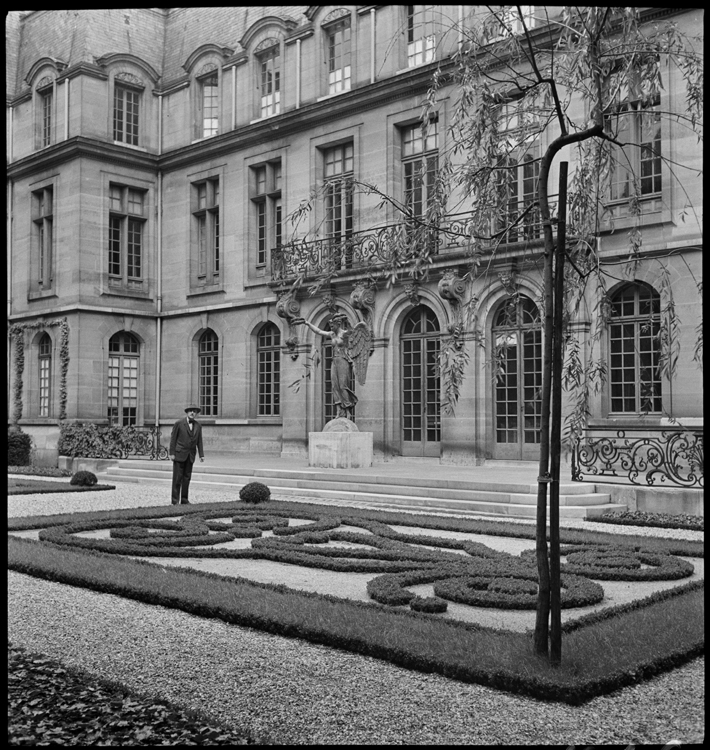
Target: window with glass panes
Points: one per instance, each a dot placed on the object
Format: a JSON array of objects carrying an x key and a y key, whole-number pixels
[
  {"x": 208, "y": 356},
  {"x": 266, "y": 202},
  {"x": 517, "y": 337},
  {"x": 123, "y": 362},
  {"x": 46, "y": 97},
  {"x": 125, "y": 114},
  {"x": 339, "y": 64},
  {"x": 636, "y": 168},
  {"x": 338, "y": 202},
  {"x": 421, "y": 40},
  {"x": 268, "y": 349},
  {"x": 125, "y": 242},
  {"x": 206, "y": 217},
  {"x": 270, "y": 81},
  {"x": 634, "y": 351},
  {"x": 512, "y": 22},
  {"x": 45, "y": 374},
  {"x": 43, "y": 239},
  {"x": 517, "y": 173},
  {"x": 420, "y": 164},
  {"x": 209, "y": 90}
]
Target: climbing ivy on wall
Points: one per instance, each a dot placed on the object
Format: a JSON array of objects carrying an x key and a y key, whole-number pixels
[{"x": 17, "y": 332}]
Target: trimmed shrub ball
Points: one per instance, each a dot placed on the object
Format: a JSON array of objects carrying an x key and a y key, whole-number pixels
[
  {"x": 254, "y": 492},
  {"x": 84, "y": 479}
]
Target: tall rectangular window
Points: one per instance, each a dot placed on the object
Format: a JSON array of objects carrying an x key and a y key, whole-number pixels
[
  {"x": 266, "y": 202},
  {"x": 125, "y": 236},
  {"x": 634, "y": 351},
  {"x": 270, "y": 81},
  {"x": 339, "y": 64},
  {"x": 338, "y": 179},
  {"x": 206, "y": 217},
  {"x": 125, "y": 114},
  {"x": 517, "y": 209},
  {"x": 420, "y": 163},
  {"x": 123, "y": 364},
  {"x": 421, "y": 40},
  {"x": 268, "y": 347},
  {"x": 209, "y": 373},
  {"x": 45, "y": 374},
  {"x": 636, "y": 168},
  {"x": 209, "y": 90},
  {"x": 47, "y": 102},
  {"x": 43, "y": 240}
]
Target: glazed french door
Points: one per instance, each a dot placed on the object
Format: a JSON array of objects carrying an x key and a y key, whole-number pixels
[
  {"x": 421, "y": 384},
  {"x": 517, "y": 337}
]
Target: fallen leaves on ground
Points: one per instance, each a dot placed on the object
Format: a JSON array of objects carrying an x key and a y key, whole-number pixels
[{"x": 51, "y": 704}]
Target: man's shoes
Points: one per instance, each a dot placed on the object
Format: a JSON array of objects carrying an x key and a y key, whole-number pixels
[
  {"x": 185, "y": 502},
  {"x": 173, "y": 502}
]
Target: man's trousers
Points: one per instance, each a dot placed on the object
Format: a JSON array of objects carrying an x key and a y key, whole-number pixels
[{"x": 182, "y": 472}]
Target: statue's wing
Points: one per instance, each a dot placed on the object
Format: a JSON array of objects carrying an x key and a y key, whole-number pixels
[{"x": 359, "y": 344}]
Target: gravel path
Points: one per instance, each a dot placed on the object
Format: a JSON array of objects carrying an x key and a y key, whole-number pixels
[{"x": 293, "y": 692}]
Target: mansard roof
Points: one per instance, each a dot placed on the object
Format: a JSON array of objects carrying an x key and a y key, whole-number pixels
[{"x": 161, "y": 38}]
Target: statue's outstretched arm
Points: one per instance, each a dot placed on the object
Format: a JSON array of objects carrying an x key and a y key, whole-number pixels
[{"x": 315, "y": 329}]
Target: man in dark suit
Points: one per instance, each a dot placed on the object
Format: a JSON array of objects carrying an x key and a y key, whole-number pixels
[{"x": 185, "y": 441}]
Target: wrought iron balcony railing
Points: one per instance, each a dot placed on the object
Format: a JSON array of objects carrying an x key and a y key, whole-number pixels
[
  {"x": 665, "y": 456},
  {"x": 113, "y": 441},
  {"x": 400, "y": 243}
]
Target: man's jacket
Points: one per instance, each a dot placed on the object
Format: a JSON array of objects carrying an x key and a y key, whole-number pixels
[{"x": 183, "y": 443}]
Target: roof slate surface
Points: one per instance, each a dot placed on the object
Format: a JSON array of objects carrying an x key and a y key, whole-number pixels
[{"x": 162, "y": 37}]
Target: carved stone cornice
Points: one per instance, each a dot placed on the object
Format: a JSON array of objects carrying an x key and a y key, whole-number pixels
[{"x": 81, "y": 147}]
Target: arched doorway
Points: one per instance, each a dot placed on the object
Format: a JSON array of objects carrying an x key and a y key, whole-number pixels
[
  {"x": 420, "y": 384},
  {"x": 517, "y": 386}
]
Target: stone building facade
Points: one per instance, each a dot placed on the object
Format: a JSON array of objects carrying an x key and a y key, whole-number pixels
[{"x": 154, "y": 159}]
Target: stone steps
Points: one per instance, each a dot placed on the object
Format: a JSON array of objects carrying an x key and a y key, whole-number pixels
[{"x": 507, "y": 496}]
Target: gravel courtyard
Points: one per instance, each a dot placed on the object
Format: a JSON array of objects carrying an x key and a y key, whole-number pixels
[{"x": 292, "y": 692}]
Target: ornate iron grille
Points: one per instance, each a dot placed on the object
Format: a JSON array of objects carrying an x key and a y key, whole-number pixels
[
  {"x": 671, "y": 457},
  {"x": 388, "y": 244},
  {"x": 114, "y": 441}
]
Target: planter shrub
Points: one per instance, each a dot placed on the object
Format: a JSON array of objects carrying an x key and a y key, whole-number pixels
[{"x": 19, "y": 445}]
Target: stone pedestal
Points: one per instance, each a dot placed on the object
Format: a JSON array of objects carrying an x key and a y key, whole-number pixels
[{"x": 340, "y": 450}]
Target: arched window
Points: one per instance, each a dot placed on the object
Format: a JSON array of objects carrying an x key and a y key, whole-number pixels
[
  {"x": 45, "y": 375},
  {"x": 123, "y": 361},
  {"x": 421, "y": 385},
  {"x": 634, "y": 351},
  {"x": 209, "y": 373},
  {"x": 268, "y": 348}
]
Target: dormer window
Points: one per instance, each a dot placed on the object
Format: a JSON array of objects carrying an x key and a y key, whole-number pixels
[
  {"x": 269, "y": 79},
  {"x": 421, "y": 40},
  {"x": 209, "y": 102},
  {"x": 339, "y": 55},
  {"x": 126, "y": 103},
  {"x": 45, "y": 91}
]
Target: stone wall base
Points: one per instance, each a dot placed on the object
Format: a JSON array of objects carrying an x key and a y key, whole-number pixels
[{"x": 673, "y": 500}]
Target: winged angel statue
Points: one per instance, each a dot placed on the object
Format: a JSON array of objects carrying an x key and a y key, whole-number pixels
[{"x": 351, "y": 351}]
